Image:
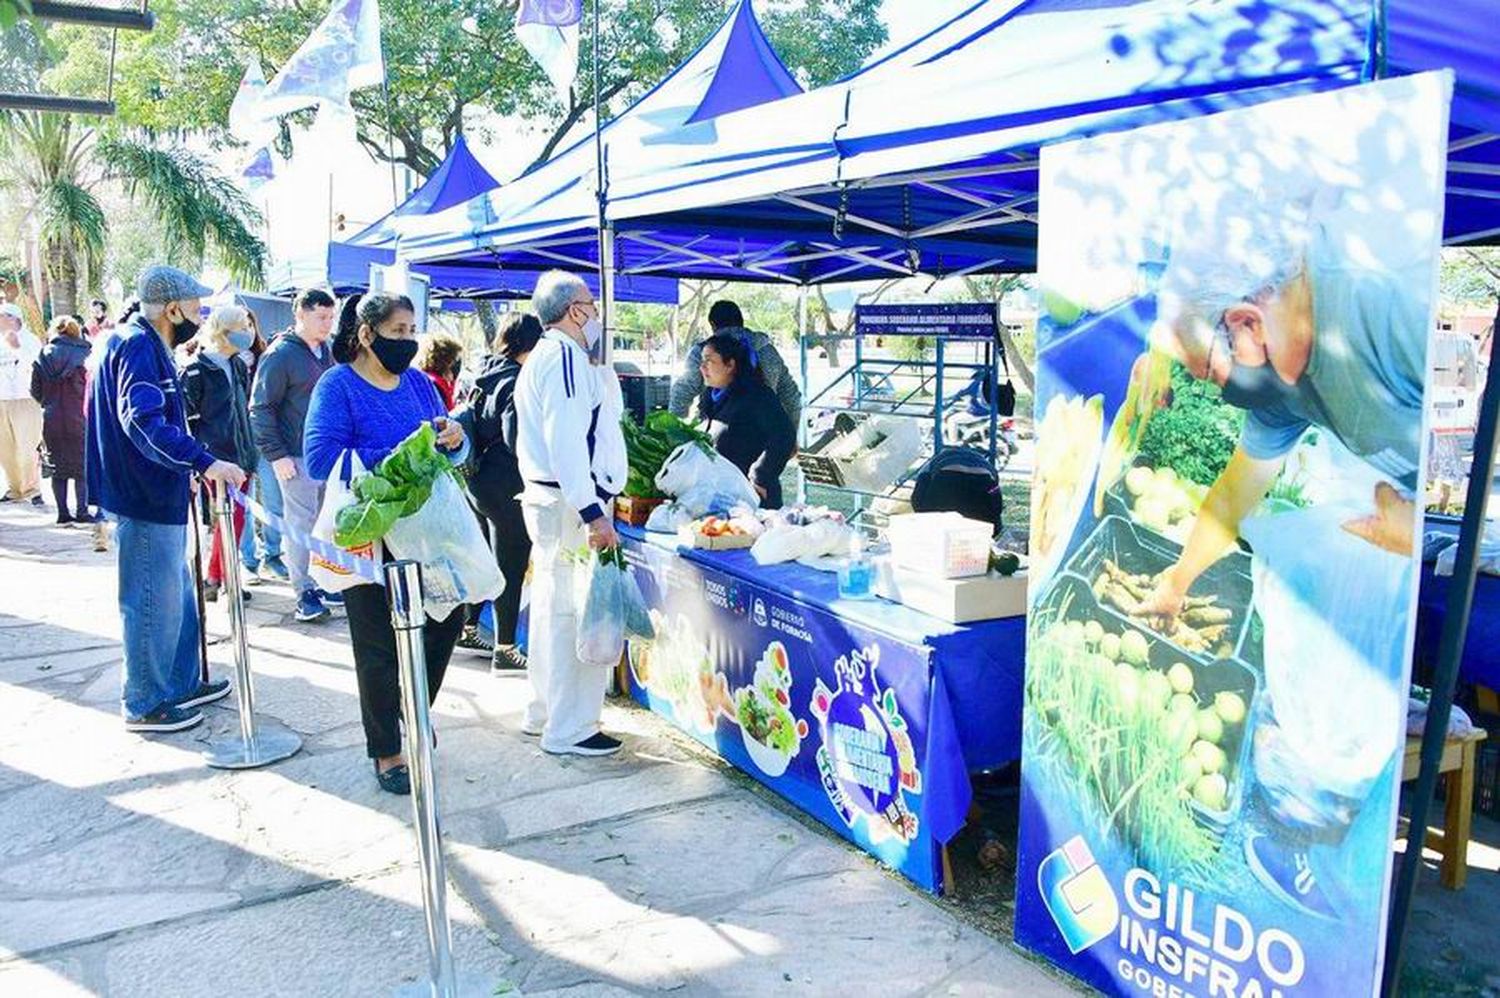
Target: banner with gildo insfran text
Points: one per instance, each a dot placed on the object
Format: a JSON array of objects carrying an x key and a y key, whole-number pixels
[{"x": 1225, "y": 541}]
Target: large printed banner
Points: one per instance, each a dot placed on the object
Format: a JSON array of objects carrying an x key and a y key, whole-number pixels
[
  {"x": 1225, "y": 541},
  {"x": 833, "y": 717}
]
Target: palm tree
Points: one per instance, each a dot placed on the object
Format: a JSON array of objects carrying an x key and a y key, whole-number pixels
[{"x": 56, "y": 163}]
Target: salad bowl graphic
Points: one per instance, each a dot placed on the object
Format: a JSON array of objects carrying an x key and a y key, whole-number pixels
[{"x": 771, "y": 734}]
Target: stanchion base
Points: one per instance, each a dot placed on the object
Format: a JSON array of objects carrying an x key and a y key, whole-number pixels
[
  {"x": 465, "y": 985},
  {"x": 273, "y": 742}
]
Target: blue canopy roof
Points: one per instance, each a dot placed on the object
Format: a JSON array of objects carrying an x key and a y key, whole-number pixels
[
  {"x": 548, "y": 217},
  {"x": 925, "y": 161},
  {"x": 345, "y": 266}
]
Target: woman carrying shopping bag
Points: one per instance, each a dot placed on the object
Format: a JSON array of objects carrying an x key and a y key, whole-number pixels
[
  {"x": 216, "y": 393},
  {"x": 370, "y": 403}
]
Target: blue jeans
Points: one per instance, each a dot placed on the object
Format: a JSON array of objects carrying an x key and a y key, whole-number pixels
[
  {"x": 160, "y": 611},
  {"x": 268, "y": 491}
]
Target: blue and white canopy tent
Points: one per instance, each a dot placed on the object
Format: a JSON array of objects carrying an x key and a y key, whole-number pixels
[
  {"x": 345, "y": 266},
  {"x": 925, "y": 162}
]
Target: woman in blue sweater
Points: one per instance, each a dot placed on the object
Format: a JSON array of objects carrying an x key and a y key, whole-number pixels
[{"x": 371, "y": 401}]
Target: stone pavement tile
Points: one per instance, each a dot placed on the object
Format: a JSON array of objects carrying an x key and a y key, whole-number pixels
[
  {"x": 558, "y": 892},
  {"x": 588, "y": 989},
  {"x": 1005, "y": 972},
  {"x": 42, "y": 640},
  {"x": 35, "y": 923},
  {"x": 62, "y": 978},
  {"x": 191, "y": 848},
  {"x": 24, "y": 667},
  {"x": 358, "y": 939},
  {"x": 511, "y": 818}
]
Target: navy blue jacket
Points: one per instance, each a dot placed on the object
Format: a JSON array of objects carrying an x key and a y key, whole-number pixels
[{"x": 140, "y": 455}]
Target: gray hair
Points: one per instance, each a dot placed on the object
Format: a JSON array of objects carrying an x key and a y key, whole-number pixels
[
  {"x": 215, "y": 330},
  {"x": 555, "y": 291},
  {"x": 1243, "y": 253},
  {"x": 151, "y": 311}
]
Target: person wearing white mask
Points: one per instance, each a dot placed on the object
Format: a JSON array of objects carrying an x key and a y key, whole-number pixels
[
  {"x": 216, "y": 392},
  {"x": 571, "y": 455}
]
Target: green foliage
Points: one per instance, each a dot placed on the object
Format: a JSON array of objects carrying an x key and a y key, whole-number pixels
[
  {"x": 398, "y": 486},
  {"x": 1196, "y": 435},
  {"x": 199, "y": 209},
  {"x": 446, "y": 56},
  {"x": 70, "y": 214}
]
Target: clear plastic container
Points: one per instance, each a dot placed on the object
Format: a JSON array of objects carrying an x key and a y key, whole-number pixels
[{"x": 945, "y": 545}]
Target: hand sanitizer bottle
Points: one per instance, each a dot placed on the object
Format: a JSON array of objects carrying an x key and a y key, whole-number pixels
[{"x": 857, "y": 577}]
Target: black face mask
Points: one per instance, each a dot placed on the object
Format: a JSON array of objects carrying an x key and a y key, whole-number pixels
[
  {"x": 1253, "y": 388},
  {"x": 394, "y": 355},
  {"x": 183, "y": 330}
]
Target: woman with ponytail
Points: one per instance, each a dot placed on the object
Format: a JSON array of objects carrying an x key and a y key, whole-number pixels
[{"x": 370, "y": 402}]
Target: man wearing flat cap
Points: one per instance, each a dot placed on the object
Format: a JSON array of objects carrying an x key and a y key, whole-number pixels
[{"x": 140, "y": 463}]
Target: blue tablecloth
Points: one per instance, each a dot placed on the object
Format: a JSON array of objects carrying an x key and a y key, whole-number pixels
[
  {"x": 892, "y": 708},
  {"x": 981, "y": 665},
  {"x": 1481, "y": 658}
]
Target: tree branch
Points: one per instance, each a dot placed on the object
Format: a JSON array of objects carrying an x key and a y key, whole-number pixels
[{"x": 576, "y": 111}]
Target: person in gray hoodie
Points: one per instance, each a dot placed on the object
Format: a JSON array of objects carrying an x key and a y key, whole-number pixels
[
  {"x": 725, "y": 318},
  {"x": 279, "y": 399}
]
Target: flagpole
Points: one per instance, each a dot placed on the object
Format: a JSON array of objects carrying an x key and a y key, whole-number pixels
[{"x": 606, "y": 243}]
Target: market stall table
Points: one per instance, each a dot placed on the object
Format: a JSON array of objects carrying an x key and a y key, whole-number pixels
[
  {"x": 1481, "y": 658},
  {"x": 866, "y": 714}
]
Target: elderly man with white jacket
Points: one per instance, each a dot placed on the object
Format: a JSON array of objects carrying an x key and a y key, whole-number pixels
[{"x": 571, "y": 454}]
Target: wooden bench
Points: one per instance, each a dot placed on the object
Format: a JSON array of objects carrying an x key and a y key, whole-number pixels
[{"x": 1457, "y": 770}]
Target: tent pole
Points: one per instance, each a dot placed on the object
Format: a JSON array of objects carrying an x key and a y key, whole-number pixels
[
  {"x": 1445, "y": 675},
  {"x": 802, "y": 430},
  {"x": 606, "y": 235}
]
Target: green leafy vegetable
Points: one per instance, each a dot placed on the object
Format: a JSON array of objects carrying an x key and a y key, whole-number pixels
[
  {"x": 648, "y": 447},
  {"x": 398, "y": 486},
  {"x": 1194, "y": 436}
]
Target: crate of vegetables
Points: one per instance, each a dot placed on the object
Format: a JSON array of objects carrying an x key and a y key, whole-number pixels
[
  {"x": 636, "y": 510},
  {"x": 1167, "y": 736},
  {"x": 1120, "y": 562}
]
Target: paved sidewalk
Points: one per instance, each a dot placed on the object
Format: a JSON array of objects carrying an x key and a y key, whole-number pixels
[{"x": 128, "y": 868}]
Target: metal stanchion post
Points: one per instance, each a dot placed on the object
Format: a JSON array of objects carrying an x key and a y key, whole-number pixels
[
  {"x": 403, "y": 583},
  {"x": 258, "y": 744}
]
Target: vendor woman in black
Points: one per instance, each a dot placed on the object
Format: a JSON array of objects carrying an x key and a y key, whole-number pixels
[{"x": 748, "y": 424}]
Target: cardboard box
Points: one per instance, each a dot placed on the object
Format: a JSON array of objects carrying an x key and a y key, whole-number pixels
[
  {"x": 688, "y": 537},
  {"x": 961, "y": 601},
  {"x": 635, "y": 511}
]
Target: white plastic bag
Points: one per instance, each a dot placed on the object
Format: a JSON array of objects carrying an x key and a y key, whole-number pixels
[
  {"x": 704, "y": 481},
  {"x": 325, "y": 573},
  {"x": 458, "y": 567},
  {"x": 601, "y": 610},
  {"x": 1335, "y": 610},
  {"x": 666, "y": 518},
  {"x": 789, "y": 543}
]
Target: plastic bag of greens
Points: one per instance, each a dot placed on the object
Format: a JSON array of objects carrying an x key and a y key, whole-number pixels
[
  {"x": 443, "y": 535},
  {"x": 637, "y": 614},
  {"x": 601, "y": 614}
]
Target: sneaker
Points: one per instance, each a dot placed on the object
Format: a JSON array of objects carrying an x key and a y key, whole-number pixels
[
  {"x": 331, "y": 599},
  {"x": 251, "y": 578},
  {"x": 164, "y": 719},
  {"x": 272, "y": 570},
  {"x": 101, "y": 536},
  {"x": 310, "y": 608},
  {"x": 507, "y": 658},
  {"x": 210, "y": 592},
  {"x": 1288, "y": 874},
  {"x": 596, "y": 744},
  {"x": 37, "y": 501},
  {"x": 214, "y": 689},
  {"x": 472, "y": 639}
]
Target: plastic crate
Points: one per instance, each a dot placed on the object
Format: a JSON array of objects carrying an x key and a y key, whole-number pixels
[
  {"x": 1487, "y": 777},
  {"x": 645, "y": 393},
  {"x": 945, "y": 545}
]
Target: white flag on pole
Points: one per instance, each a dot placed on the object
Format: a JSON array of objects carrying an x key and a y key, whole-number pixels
[
  {"x": 246, "y": 123},
  {"x": 340, "y": 56},
  {"x": 549, "y": 31}
]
